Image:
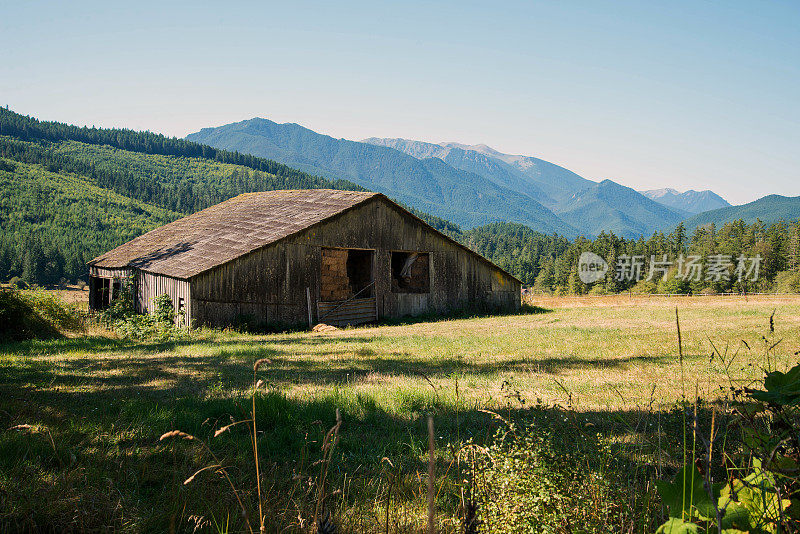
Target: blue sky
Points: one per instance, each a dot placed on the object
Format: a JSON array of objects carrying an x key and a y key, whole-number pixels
[{"x": 650, "y": 94}]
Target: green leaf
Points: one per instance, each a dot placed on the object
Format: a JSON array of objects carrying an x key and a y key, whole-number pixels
[
  {"x": 678, "y": 526},
  {"x": 783, "y": 463},
  {"x": 752, "y": 504},
  {"x": 686, "y": 496},
  {"x": 757, "y": 440},
  {"x": 736, "y": 518},
  {"x": 782, "y": 389}
]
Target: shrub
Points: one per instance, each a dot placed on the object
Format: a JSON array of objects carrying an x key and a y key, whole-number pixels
[
  {"x": 121, "y": 316},
  {"x": 553, "y": 476},
  {"x": 63, "y": 316},
  {"x": 122, "y": 306},
  {"x": 645, "y": 287},
  {"x": 673, "y": 285},
  {"x": 18, "y": 283},
  {"x": 165, "y": 311},
  {"x": 598, "y": 289},
  {"x": 142, "y": 326},
  {"x": 787, "y": 282},
  {"x": 21, "y": 318}
]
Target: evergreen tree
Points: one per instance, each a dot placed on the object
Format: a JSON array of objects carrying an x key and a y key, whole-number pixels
[
  {"x": 793, "y": 248},
  {"x": 678, "y": 239}
]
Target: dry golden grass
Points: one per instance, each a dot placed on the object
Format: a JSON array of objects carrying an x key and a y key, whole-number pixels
[
  {"x": 106, "y": 400},
  {"x": 599, "y": 349},
  {"x": 73, "y": 295}
]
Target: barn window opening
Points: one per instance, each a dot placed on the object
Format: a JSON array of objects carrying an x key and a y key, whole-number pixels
[
  {"x": 411, "y": 272},
  {"x": 345, "y": 273},
  {"x": 180, "y": 316}
]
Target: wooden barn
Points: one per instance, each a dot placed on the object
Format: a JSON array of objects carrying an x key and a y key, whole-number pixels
[{"x": 306, "y": 256}]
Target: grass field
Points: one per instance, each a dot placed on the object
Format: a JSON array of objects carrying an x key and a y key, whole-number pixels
[{"x": 105, "y": 402}]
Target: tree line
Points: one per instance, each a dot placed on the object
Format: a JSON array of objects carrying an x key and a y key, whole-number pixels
[{"x": 736, "y": 257}]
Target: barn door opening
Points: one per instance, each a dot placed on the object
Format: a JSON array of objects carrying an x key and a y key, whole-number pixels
[
  {"x": 347, "y": 289},
  {"x": 345, "y": 273},
  {"x": 359, "y": 272},
  {"x": 101, "y": 290}
]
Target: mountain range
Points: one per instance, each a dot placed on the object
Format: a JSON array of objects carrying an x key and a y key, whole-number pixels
[
  {"x": 427, "y": 184},
  {"x": 691, "y": 201},
  {"x": 589, "y": 206},
  {"x": 470, "y": 185}
]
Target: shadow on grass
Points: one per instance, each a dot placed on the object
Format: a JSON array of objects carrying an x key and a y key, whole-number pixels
[
  {"x": 101, "y": 344},
  {"x": 106, "y": 415},
  {"x": 112, "y": 469},
  {"x": 165, "y": 373},
  {"x": 466, "y": 313}
]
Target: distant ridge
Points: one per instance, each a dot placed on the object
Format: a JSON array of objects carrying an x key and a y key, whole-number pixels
[
  {"x": 549, "y": 183},
  {"x": 768, "y": 209},
  {"x": 609, "y": 206},
  {"x": 470, "y": 185},
  {"x": 691, "y": 201},
  {"x": 582, "y": 203},
  {"x": 427, "y": 183}
]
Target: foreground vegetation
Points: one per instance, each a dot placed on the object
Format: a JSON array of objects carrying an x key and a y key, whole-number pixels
[{"x": 555, "y": 421}]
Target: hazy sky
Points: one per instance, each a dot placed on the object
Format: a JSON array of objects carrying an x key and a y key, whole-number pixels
[{"x": 650, "y": 94}]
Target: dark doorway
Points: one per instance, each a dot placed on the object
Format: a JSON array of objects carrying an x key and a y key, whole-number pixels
[
  {"x": 100, "y": 292},
  {"x": 359, "y": 272}
]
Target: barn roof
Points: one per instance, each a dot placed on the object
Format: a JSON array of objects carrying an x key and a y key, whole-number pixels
[
  {"x": 242, "y": 224},
  {"x": 225, "y": 231}
]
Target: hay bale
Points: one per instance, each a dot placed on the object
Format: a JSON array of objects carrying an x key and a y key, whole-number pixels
[{"x": 322, "y": 327}]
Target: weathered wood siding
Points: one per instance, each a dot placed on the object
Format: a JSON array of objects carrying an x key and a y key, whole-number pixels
[
  {"x": 268, "y": 286},
  {"x": 109, "y": 273},
  {"x": 150, "y": 286}
]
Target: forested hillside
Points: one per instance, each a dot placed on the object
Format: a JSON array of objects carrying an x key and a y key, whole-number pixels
[
  {"x": 768, "y": 209},
  {"x": 69, "y": 193},
  {"x": 30, "y": 129},
  {"x": 52, "y": 223}
]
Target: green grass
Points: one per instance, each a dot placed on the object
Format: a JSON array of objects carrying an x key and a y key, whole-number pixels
[{"x": 106, "y": 401}]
